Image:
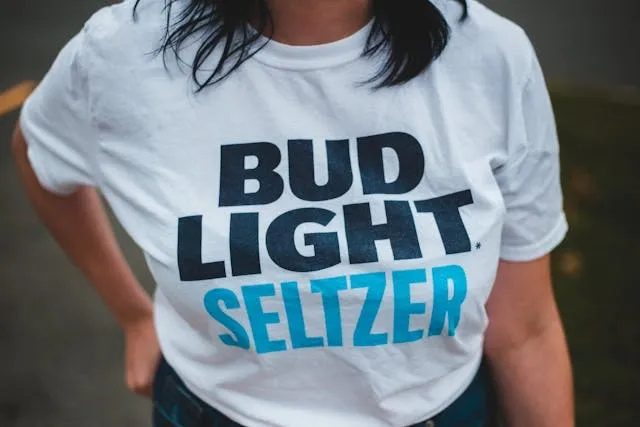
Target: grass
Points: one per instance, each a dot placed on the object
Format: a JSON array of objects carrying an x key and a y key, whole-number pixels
[{"x": 597, "y": 283}]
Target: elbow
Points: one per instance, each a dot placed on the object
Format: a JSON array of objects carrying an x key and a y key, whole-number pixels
[
  {"x": 18, "y": 144},
  {"x": 502, "y": 343}
]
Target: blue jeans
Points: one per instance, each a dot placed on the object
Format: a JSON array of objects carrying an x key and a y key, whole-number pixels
[{"x": 175, "y": 406}]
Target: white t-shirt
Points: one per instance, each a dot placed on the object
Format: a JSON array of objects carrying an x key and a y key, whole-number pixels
[{"x": 323, "y": 251}]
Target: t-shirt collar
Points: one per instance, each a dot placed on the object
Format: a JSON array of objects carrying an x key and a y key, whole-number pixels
[{"x": 315, "y": 56}]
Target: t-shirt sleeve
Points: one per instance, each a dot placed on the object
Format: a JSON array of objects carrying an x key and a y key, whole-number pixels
[
  {"x": 56, "y": 123},
  {"x": 535, "y": 222}
]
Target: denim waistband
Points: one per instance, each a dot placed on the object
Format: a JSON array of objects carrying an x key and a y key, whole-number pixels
[{"x": 175, "y": 406}]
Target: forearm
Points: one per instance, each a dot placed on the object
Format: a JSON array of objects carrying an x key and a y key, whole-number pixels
[
  {"x": 81, "y": 227},
  {"x": 534, "y": 380}
]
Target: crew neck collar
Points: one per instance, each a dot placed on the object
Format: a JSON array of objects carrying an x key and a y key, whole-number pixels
[{"x": 311, "y": 57}]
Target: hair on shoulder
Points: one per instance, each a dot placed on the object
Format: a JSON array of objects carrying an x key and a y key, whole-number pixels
[{"x": 412, "y": 34}]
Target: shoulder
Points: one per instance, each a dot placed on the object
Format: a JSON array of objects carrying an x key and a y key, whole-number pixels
[
  {"x": 117, "y": 52},
  {"x": 488, "y": 44},
  {"x": 124, "y": 31}
]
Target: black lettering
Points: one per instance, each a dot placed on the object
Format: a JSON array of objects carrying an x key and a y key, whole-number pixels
[
  {"x": 400, "y": 230},
  {"x": 233, "y": 174},
  {"x": 371, "y": 160},
  {"x": 244, "y": 245},
  {"x": 446, "y": 210},
  {"x": 301, "y": 170},
  {"x": 190, "y": 264},
  {"x": 282, "y": 248}
]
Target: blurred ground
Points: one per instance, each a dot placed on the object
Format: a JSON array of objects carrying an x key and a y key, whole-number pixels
[
  {"x": 61, "y": 358},
  {"x": 61, "y": 354}
]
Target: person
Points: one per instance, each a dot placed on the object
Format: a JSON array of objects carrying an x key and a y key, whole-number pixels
[{"x": 348, "y": 207}]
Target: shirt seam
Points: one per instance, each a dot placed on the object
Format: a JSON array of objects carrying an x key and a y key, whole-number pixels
[
  {"x": 507, "y": 165},
  {"x": 94, "y": 133},
  {"x": 291, "y": 67}
]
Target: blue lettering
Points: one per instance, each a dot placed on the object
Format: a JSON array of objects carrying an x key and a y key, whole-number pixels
[
  {"x": 259, "y": 319},
  {"x": 212, "y": 302},
  {"x": 293, "y": 308},
  {"x": 443, "y": 307},
  {"x": 329, "y": 289},
  {"x": 375, "y": 282},
  {"x": 403, "y": 307}
]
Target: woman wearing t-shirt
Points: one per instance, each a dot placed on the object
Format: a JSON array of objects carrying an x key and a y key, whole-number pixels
[{"x": 347, "y": 206}]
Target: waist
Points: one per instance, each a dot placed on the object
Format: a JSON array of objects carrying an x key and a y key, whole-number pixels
[{"x": 316, "y": 405}]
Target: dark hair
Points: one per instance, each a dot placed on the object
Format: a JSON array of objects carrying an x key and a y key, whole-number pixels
[{"x": 412, "y": 33}]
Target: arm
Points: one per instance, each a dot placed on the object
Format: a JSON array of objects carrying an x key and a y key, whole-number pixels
[
  {"x": 526, "y": 348},
  {"x": 80, "y": 226}
]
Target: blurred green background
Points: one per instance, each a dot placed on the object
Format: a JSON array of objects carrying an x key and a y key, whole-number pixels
[{"x": 596, "y": 268}]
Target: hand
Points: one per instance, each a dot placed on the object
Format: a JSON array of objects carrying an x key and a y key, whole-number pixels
[{"x": 142, "y": 355}]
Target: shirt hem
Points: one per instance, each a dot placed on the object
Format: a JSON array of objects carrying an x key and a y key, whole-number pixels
[
  {"x": 38, "y": 165},
  {"x": 454, "y": 396},
  {"x": 250, "y": 422},
  {"x": 541, "y": 248}
]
